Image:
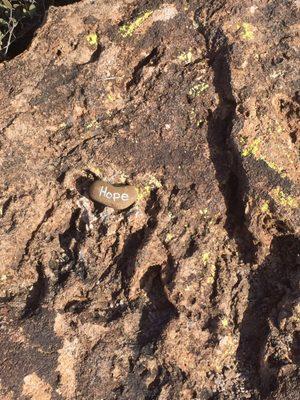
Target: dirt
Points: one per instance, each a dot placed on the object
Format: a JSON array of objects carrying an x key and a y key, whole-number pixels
[{"x": 193, "y": 292}]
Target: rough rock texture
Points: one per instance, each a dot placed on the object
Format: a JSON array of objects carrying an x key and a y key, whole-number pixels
[{"x": 192, "y": 293}]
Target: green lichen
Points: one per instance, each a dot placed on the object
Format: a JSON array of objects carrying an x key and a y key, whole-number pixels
[
  {"x": 128, "y": 29},
  {"x": 197, "y": 89}
]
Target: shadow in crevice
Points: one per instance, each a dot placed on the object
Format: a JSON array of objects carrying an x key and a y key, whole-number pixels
[
  {"x": 127, "y": 259},
  {"x": 60, "y": 3},
  {"x": 158, "y": 312},
  {"x": 37, "y": 293},
  {"x": 152, "y": 58},
  {"x": 275, "y": 278},
  {"x": 70, "y": 241},
  {"x": 230, "y": 174}
]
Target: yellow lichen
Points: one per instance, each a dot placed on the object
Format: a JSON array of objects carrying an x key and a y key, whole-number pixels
[
  {"x": 92, "y": 124},
  {"x": 197, "y": 89},
  {"x": 169, "y": 237},
  {"x": 274, "y": 166},
  {"x": 170, "y": 215},
  {"x": 265, "y": 207},
  {"x": 128, "y": 29},
  {"x": 276, "y": 74},
  {"x": 224, "y": 322},
  {"x": 92, "y": 38},
  {"x": 194, "y": 118},
  {"x": 205, "y": 257},
  {"x": 144, "y": 192},
  {"x": 95, "y": 170},
  {"x": 203, "y": 211},
  {"x": 247, "y": 31},
  {"x": 186, "y": 57},
  {"x": 186, "y": 6},
  {"x": 284, "y": 199},
  {"x": 211, "y": 278},
  {"x": 154, "y": 182},
  {"x": 252, "y": 148},
  {"x": 110, "y": 97}
]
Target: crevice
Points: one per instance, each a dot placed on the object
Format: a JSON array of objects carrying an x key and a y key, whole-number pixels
[
  {"x": 151, "y": 58},
  {"x": 70, "y": 241},
  {"x": 5, "y": 206},
  {"x": 61, "y": 3},
  {"x": 96, "y": 54},
  {"x": 11, "y": 121},
  {"x": 192, "y": 248},
  {"x": 76, "y": 306},
  {"x": 158, "y": 312},
  {"x": 235, "y": 293},
  {"x": 215, "y": 286},
  {"x": 230, "y": 174},
  {"x": 127, "y": 259},
  {"x": 37, "y": 293},
  {"x": 158, "y": 308},
  {"x": 47, "y": 215},
  {"x": 170, "y": 270},
  {"x": 269, "y": 284},
  {"x": 293, "y": 136}
]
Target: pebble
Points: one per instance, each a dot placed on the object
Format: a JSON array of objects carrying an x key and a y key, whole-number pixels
[{"x": 117, "y": 197}]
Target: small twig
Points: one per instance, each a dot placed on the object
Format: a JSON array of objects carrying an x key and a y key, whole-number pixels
[
  {"x": 109, "y": 78},
  {"x": 11, "y": 30}
]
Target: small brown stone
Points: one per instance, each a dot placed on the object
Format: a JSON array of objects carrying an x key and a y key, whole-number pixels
[{"x": 117, "y": 197}]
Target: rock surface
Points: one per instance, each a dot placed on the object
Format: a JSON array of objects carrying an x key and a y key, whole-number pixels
[{"x": 192, "y": 293}]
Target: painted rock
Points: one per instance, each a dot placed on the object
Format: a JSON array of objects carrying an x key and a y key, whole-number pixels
[{"x": 117, "y": 197}]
